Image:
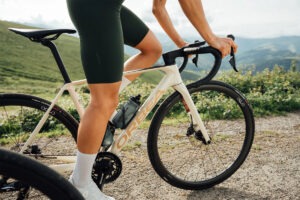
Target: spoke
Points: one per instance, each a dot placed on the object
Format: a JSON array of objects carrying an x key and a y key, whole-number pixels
[
  {"x": 195, "y": 151},
  {"x": 218, "y": 155}
]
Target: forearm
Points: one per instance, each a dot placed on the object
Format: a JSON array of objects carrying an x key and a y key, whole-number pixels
[
  {"x": 164, "y": 20},
  {"x": 193, "y": 9}
]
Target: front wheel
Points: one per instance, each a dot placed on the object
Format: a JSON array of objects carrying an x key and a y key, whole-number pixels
[{"x": 179, "y": 155}]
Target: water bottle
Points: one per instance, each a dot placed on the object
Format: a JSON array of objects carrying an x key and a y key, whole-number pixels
[
  {"x": 126, "y": 113},
  {"x": 122, "y": 118}
]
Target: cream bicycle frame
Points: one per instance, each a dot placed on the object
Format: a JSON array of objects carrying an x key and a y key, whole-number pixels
[{"x": 171, "y": 78}]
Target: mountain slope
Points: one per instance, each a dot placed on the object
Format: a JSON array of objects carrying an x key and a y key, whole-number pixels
[
  {"x": 265, "y": 53},
  {"x": 24, "y": 63},
  {"x": 261, "y": 53}
]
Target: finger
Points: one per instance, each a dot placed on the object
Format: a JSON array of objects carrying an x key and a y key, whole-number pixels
[
  {"x": 235, "y": 47},
  {"x": 225, "y": 53},
  {"x": 229, "y": 40}
]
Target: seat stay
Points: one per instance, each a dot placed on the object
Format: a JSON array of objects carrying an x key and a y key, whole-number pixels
[{"x": 37, "y": 35}]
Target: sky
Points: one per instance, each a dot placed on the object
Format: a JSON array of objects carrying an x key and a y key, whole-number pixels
[{"x": 243, "y": 18}]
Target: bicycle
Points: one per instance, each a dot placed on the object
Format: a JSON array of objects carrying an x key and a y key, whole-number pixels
[
  {"x": 188, "y": 122},
  {"x": 19, "y": 174}
]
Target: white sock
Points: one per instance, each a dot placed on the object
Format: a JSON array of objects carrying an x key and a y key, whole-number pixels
[
  {"x": 82, "y": 174},
  {"x": 124, "y": 83}
]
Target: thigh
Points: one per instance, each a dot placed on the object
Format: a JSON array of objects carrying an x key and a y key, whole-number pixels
[
  {"x": 134, "y": 29},
  {"x": 101, "y": 38}
]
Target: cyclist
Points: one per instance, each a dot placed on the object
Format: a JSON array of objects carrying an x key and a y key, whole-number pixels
[{"x": 104, "y": 26}]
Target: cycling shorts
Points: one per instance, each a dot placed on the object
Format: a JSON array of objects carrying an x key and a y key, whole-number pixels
[{"x": 104, "y": 26}]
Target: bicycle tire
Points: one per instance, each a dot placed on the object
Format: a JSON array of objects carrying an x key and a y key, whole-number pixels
[
  {"x": 171, "y": 151},
  {"x": 19, "y": 115},
  {"x": 46, "y": 182}
]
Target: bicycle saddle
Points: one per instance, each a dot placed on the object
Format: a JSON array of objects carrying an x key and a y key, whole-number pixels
[{"x": 38, "y": 34}]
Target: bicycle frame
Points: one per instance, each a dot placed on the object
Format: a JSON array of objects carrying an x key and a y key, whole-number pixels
[{"x": 171, "y": 78}]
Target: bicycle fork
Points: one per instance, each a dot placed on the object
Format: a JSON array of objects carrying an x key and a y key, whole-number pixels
[{"x": 196, "y": 120}]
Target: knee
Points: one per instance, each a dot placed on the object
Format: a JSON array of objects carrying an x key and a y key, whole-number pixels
[
  {"x": 157, "y": 51},
  {"x": 150, "y": 47},
  {"x": 110, "y": 104},
  {"x": 154, "y": 52},
  {"x": 106, "y": 105}
]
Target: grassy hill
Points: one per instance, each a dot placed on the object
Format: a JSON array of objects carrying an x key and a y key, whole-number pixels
[{"x": 29, "y": 67}]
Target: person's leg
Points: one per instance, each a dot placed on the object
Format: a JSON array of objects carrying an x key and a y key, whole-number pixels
[
  {"x": 104, "y": 99},
  {"x": 150, "y": 51},
  {"x": 101, "y": 42},
  {"x": 137, "y": 35}
]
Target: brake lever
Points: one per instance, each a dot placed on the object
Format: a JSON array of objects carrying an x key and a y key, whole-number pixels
[
  {"x": 232, "y": 60},
  {"x": 195, "y": 60}
]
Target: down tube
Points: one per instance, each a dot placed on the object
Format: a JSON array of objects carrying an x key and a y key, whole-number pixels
[{"x": 148, "y": 105}]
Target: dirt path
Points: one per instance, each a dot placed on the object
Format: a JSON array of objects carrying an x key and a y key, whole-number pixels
[{"x": 272, "y": 170}]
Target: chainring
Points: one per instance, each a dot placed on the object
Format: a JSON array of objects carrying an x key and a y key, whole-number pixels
[{"x": 107, "y": 168}]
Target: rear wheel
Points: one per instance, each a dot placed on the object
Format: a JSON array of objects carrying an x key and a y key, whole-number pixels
[
  {"x": 20, "y": 114},
  {"x": 24, "y": 178},
  {"x": 177, "y": 152}
]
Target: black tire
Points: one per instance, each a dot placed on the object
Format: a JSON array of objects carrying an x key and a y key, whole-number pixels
[
  {"x": 185, "y": 161},
  {"x": 19, "y": 115},
  {"x": 25, "y": 172}
]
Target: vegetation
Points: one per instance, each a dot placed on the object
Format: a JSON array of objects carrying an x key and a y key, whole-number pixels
[{"x": 271, "y": 91}]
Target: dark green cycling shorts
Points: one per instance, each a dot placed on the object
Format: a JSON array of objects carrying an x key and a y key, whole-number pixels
[{"x": 104, "y": 26}]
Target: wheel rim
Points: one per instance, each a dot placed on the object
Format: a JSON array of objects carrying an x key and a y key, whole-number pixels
[{"x": 189, "y": 162}]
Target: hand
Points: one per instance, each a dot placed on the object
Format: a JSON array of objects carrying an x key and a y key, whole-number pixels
[
  {"x": 182, "y": 44},
  {"x": 223, "y": 45}
]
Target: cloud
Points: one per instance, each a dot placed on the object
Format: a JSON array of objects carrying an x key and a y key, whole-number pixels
[
  {"x": 255, "y": 18},
  {"x": 36, "y": 12}
]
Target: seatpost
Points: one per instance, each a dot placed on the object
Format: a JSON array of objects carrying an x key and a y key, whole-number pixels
[{"x": 57, "y": 58}]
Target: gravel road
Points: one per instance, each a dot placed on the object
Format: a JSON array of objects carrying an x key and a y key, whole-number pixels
[{"x": 271, "y": 171}]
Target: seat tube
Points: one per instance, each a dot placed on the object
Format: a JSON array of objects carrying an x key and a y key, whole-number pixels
[{"x": 58, "y": 59}]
